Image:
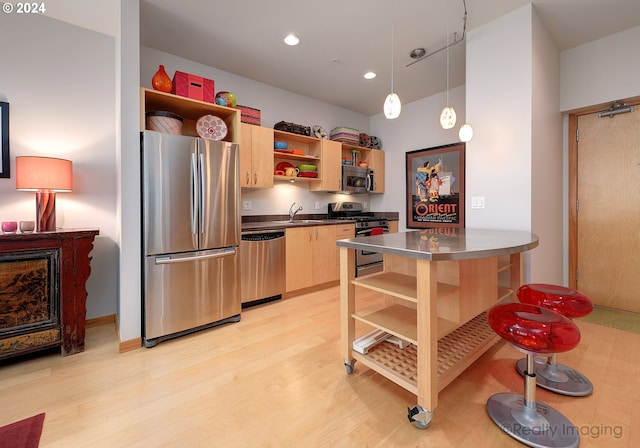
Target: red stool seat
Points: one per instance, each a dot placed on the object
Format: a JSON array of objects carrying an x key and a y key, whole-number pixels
[
  {"x": 566, "y": 301},
  {"x": 533, "y": 328},
  {"x": 551, "y": 374}
]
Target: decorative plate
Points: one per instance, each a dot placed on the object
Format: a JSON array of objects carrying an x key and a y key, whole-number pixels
[
  {"x": 281, "y": 166},
  {"x": 211, "y": 127}
]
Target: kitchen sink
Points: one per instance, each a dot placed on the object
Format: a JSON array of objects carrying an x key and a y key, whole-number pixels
[{"x": 300, "y": 221}]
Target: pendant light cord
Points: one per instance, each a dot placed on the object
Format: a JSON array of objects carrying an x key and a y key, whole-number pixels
[
  {"x": 447, "y": 65},
  {"x": 392, "y": 33}
]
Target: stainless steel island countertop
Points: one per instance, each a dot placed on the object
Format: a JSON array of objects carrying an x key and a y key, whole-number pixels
[{"x": 446, "y": 243}]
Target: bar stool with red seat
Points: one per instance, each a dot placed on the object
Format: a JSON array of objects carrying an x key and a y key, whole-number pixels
[
  {"x": 532, "y": 330},
  {"x": 571, "y": 303}
]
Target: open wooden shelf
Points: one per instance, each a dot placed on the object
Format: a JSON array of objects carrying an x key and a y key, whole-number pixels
[
  {"x": 190, "y": 110},
  {"x": 456, "y": 351},
  {"x": 399, "y": 285}
]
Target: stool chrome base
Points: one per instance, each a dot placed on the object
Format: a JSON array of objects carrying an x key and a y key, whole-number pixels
[
  {"x": 542, "y": 427},
  {"x": 558, "y": 378}
]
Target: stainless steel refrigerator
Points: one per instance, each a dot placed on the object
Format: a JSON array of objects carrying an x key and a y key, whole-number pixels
[{"x": 190, "y": 234}]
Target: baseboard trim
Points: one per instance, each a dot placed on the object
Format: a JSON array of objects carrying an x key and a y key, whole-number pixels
[
  {"x": 130, "y": 345},
  {"x": 102, "y": 320}
]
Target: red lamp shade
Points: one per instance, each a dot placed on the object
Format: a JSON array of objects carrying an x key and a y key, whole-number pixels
[{"x": 45, "y": 176}]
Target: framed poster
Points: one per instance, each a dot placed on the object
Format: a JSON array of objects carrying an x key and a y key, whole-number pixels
[
  {"x": 4, "y": 140},
  {"x": 435, "y": 187}
]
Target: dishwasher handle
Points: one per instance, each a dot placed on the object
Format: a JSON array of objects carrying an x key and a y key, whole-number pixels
[{"x": 262, "y": 236}]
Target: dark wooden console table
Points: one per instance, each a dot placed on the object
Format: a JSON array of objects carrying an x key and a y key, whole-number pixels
[{"x": 42, "y": 290}]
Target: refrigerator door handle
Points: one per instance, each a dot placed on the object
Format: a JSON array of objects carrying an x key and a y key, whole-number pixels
[
  {"x": 194, "y": 192},
  {"x": 202, "y": 256},
  {"x": 202, "y": 192}
]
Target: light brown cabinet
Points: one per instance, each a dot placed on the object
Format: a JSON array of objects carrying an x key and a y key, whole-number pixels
[
  {"x": 311, "y": 254},
  {"x": 330, "y": 169},
  {"x": 375, "y": 159},
  {"x": 256, "y": 157}
]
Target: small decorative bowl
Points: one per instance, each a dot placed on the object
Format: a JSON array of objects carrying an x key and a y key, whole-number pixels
[
  {"x": 9, "y": 227},
  {"x": 27, "y": 226},
  {"x": 280, "y": 145}
]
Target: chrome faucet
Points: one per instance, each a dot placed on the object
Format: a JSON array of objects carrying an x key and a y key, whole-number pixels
[{"x": 292, "y": 213}]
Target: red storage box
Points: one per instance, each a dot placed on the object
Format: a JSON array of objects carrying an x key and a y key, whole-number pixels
[
  {"x": 192, "y": 86},
  {"x": 249, "y": 115}
]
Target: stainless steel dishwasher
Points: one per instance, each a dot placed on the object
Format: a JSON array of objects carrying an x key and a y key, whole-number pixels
[{"x": 262, "y": 262}]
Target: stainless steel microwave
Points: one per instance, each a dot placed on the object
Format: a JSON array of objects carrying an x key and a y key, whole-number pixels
[{"x": 356, "y": 179}]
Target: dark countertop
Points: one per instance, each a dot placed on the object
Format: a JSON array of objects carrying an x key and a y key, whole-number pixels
[
  {"x": 446, "y": 244},
  {"x": 276, "y": 222},
  {"x": 297, "y": 222}
]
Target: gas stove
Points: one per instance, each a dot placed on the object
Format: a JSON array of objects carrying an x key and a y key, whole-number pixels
[
  {"x": 352, "y": 211},
  {"x": 367, "y": 224}
]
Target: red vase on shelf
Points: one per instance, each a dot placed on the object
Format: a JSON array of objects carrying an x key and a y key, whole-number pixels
[{"x": 161, "y": 81}]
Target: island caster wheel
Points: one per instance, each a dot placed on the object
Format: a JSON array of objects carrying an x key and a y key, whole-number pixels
[
  {"x": 420, "y": 417},
  {"x": 349, "y": 366}
]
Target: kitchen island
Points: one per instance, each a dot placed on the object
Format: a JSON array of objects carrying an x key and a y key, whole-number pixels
[{"x": 437, "y": 286}]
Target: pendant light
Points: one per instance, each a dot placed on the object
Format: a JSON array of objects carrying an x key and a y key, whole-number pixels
[
  {"x": 392, "y": 105},
  {"x": 448, "y": 115},
  {"x": 465, "y": 133}
]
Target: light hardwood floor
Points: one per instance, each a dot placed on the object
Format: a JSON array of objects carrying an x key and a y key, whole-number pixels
[{"x": 276, "y": 379}]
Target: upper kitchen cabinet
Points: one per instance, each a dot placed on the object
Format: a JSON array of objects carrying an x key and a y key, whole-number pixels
[
  {"x": 375, "y": 159},
  {"x": 190, "y": 110},
  {"x": 330, "y": 168},
  {"x": 256, "y": 157}
]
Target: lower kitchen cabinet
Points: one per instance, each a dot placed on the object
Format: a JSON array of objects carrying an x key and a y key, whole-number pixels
[{"x": 311, "y": 254}]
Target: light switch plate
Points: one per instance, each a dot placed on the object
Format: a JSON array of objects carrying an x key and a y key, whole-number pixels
[
  {"x": 477, "y": 202},
  {"x": 246, "y": 205}
]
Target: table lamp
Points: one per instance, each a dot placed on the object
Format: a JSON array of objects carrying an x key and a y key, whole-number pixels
[{"x": 45, "y": 176}]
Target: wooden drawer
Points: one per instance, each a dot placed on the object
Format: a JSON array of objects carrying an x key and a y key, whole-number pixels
[
  {"x": 345, "y": 231},
  {"x": 28, "y": 342}
]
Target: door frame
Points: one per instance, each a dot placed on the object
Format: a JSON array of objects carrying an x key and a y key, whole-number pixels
[{"x": 573, "y": 179}]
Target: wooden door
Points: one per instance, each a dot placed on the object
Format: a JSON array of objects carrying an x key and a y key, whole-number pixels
[
  {"x": 246, "y": 143},
  {"x": 256, "y": 156},
  {"x": 607, "y": 223},
  {"x": 262, "y": 157},
  {"x": 324, "y": 254},
  {"x": 299, "y": 243},
  {"x": 376, "y": 162},
  {"x": 330, "y": 167}
]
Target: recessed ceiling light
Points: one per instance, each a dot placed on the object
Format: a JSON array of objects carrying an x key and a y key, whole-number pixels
[
  {"x": 291, "y": 40},
  {"x": 369, "y": 75}
]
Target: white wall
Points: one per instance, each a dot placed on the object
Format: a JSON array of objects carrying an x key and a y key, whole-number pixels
[
  {"x": 417, "y": 127},
  {"x": 58, "y": 79},
  {"x": 127, "y": 151},
  {"x": 498, "y": 95},
  {"x": 601, "y": 71},
  {"x": 546, "y": 157},
  {"x": 275, "y": 105}
]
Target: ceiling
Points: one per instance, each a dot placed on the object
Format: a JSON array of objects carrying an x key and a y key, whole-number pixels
[{"x": 341, "y": 40}]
